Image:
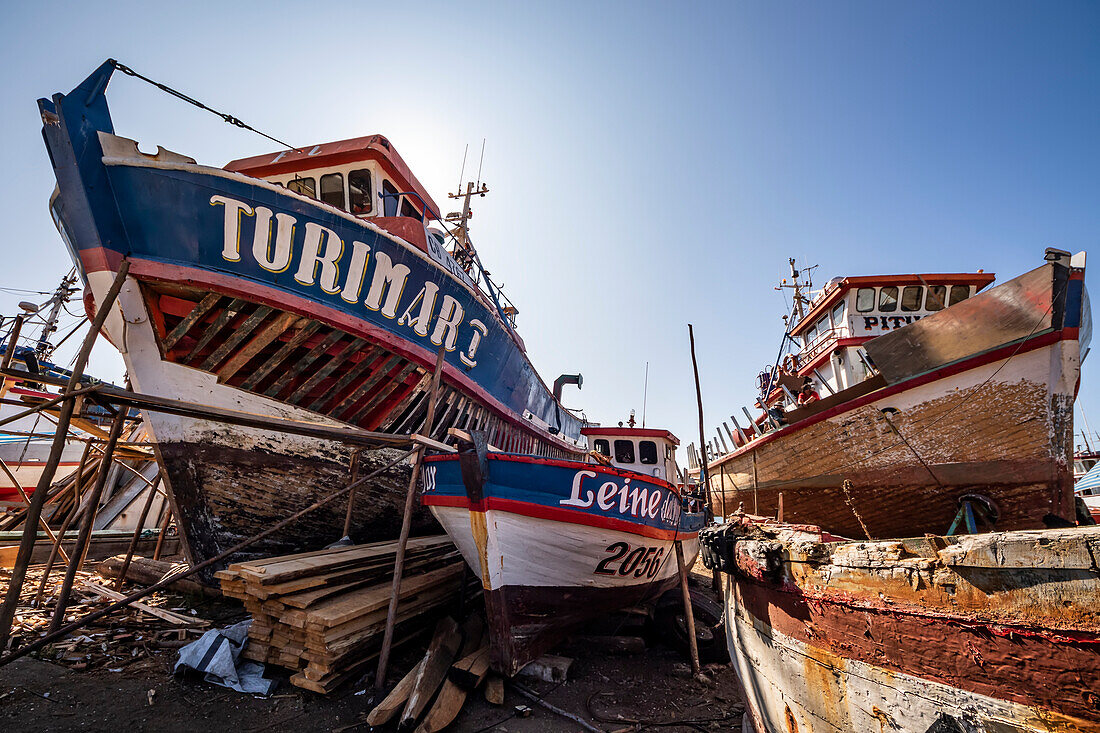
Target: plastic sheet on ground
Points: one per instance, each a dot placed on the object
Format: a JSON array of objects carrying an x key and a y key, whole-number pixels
[{"x": 217, "y": 655}]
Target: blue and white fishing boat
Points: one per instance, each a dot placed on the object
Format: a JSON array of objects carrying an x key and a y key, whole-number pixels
[
  {"x": 314, "y": 284},
  {"x": 556, "y": 542}
]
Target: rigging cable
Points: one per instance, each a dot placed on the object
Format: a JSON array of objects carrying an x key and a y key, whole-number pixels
[{"x": 191, "y": 100}]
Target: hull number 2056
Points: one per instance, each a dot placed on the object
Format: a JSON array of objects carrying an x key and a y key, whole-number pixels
[{"x": 634, "y": 562}]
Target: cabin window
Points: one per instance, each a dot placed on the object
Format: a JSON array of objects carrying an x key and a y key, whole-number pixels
[
  {"x": 911, "y": 297},
  {"x": 604, "y": 447},
  {"x": 865, "y": 299},
  {"x": 839, "y": 316},
  {"x": 811, "y": 335},
  {"x": 304, "y": 186},
  {"x": 389, "y": 199},
  {"x": 888, "y": 299},
  {"x": 624, "y": 451},
  {"x": 407, "y": 209},
  {"x": 959, "y": 293},
  {"x": 332, "y": 189},
  {"x": 359, "y": 188},
  {"x": 937, "y": 297},
  {"x": 647, "y": 452}
]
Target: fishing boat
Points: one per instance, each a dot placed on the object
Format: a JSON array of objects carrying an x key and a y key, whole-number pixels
[
  {"x": 990, "y": 632},
  {"x": 314, "y": 284},
  {"x": 907, "y": 404},
  {"x": 558, "y": 543}
]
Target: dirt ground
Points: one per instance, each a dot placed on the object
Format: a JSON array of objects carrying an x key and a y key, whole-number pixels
[{"x": 651, "y": 690}]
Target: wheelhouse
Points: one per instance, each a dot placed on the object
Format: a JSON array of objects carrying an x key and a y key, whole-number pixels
[
  {"x": 848, "y": 312},
  {"x": 644, "y": 450}
]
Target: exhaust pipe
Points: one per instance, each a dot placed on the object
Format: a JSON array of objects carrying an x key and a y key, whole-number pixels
[{"x": 564, "y": 380}]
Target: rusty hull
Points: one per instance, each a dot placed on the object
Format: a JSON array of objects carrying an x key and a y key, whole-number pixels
[{"x": 994, "y": 632}]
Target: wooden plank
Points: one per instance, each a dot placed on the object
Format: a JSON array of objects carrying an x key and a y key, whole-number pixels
[
  {"x": 232, "y": 310},
  {"x": 240, "y": 333},
  {"x": 201, "y": 309},
  {"x": 373, "y": 355},
  {"x": 393, "y": 384},
  {"x": 419, "y": 393},
  {"x": 259, "y": 342},
  {"x": 441, "y": 653},
  {"x": 389, "y": 365},
  {"x": 463, "y": 678},
  {"x": 384, "y": 711},
  {"x": 279, "y": 356},
  {"x": 304, "y": 363},
  {"x": 494, "y": 690},
  {"x": 324, "y": 372},
  {"x": 172, "y": 618}
]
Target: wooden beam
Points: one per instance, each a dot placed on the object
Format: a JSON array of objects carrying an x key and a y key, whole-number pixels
[
  {"x": 335, "y": 361},
  {"x": 277, "y": 358},
  {"x": 201, "y": 309},
  {"x": 349, "y": 435},
  {"x": 371, "y": 357},
  {"x": 304, "y": 363},
  {"x": 433, "y": 670},
  {"x": 240, "y": 333},
  {"x": 231, "y": 311},
  {"x": 384, "y": 711},
  {"x": 259, "y": 342}
]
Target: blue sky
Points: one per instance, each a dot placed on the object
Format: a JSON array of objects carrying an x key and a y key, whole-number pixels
[{"x": 651, "y": 164}]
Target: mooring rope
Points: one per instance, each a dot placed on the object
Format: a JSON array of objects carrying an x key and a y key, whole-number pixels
[{"x": 191, "y": 100}]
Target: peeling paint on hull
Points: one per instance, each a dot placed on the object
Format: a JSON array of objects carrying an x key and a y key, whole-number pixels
[{"x": 997, "y": 632}]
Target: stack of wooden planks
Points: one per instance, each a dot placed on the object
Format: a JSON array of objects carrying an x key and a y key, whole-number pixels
[{"x": 323, "y": 613}]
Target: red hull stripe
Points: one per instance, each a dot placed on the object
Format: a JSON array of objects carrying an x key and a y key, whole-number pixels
[
  {"x": 555, "y": 514},
  {"x": 93, "y": 260},
  {"x": 988, "y": 357}
]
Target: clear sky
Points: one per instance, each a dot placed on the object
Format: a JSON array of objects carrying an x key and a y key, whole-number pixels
[{"x": 651, "y": 164}]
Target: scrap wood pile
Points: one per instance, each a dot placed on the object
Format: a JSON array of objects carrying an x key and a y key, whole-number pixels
[
  {"x": 432, "y": 693},
  {"x": 123, "y": 640},
  {"x": 322, "y": 614}
]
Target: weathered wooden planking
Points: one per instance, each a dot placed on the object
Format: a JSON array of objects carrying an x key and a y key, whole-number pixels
[
  {"x": 441, "y": 653},
  {"x": 288, "y": 567},
  {"x": 463, "y": 678},
  {"x": 391, "y": 703}
]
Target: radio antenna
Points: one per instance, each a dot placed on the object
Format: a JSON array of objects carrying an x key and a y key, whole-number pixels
[
  {"x": 645, "y": 392},
  {"x": 480, "y": 163},
  {"x": 462, "y": 170}
]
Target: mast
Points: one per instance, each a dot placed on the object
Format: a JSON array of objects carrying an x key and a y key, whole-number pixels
[{"x": 61, "y": 296}]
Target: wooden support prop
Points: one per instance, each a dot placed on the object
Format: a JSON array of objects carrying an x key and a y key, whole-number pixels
[
  {"x": 406, "y": 525},
  {"x": 53, "y": 636},
  {"x": 14, "y": 340},
  {"x": 351, "y": 496},
  {"x": 163, "y": 530},
  {"x": 689, "y": 615},
  {"x": 394, "y": 701},
  {"x": 82, "y": 539},
  {"x": 137, "y": 532},
  {"x": 77, "y": 480},
  {"x": 27, "y": 500},
  {"x": 438, "y": 659},
  {"x": 38, "y": 500},
  {"x": 715, "y": 580}
]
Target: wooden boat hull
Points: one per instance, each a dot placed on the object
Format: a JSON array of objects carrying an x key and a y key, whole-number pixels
[
  {"x": 547, "y": 562},
  {"x": 244, "y": 295},
  {"x": 992, "y": 418},
  {"x": 995, "y": 632}
]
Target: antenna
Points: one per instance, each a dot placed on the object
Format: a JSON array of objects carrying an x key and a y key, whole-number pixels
[
  {"x": 462, "y": 170},
  {"x": 645, "y": 392},
  {"x": 480, "y": 163}
]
